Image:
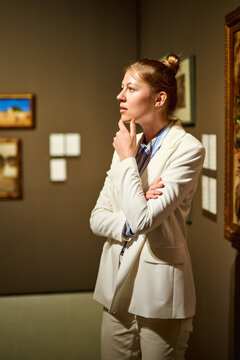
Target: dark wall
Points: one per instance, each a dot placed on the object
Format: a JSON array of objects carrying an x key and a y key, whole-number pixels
[
  {"x": 70, "y": 54},
  {"x": 191, "y": 27}
]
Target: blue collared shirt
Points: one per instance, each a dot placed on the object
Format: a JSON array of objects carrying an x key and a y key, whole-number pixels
[{"x": 144, "y": 155}]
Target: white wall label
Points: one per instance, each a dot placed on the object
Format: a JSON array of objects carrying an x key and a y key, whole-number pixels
[
  {"x": 58, "y": 170},
  {"x": 72, "y": 144},
  {"x": 56, "y": 145}
]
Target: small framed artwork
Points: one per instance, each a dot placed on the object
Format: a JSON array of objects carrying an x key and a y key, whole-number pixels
[
  {"x": 16, "y": 110},
  {"x": 10, "y": 169},
  {"x": 232, "y": 128},
  {"x": 186, "y": 90}
]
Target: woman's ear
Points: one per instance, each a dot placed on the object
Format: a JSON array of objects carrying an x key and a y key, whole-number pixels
[{"x": 160, "y": 99}]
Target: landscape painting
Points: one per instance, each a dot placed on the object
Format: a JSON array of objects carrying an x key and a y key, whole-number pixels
[
  {"x": 10, "y": 169},
  {"x": 16, "y": 110}
]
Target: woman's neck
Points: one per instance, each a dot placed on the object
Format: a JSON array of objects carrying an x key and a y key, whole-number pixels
[{"x": 151, "y": 130}]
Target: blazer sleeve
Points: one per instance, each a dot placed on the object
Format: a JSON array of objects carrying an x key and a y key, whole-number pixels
[
  {"x": 179, "y": 177},
  {"x": 104, "y": 221}
]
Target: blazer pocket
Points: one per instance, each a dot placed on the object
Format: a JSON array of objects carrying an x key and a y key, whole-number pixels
[{"x": 168, "y": 256}]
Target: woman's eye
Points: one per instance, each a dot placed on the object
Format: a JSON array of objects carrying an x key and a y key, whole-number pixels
[{"x": 131, "y": 89}]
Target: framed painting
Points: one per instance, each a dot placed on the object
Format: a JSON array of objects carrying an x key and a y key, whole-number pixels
[
  {"x": 232, "y": 127},
  {"x": 10, "y": 169},
  {"x": 16, "y": 110},
  {"x": 186, "y": 90}
]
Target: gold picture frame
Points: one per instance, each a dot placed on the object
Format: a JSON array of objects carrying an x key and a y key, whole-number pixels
[
  {"x": 16, "y": 110},
  {"x": 10, "y": 169},
  {"x": 232, "y": 127}
]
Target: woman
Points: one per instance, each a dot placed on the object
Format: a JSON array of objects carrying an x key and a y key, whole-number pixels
[{"x": 145, "y": 278}]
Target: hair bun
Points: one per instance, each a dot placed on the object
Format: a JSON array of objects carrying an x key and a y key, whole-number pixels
[{"x": 172, "y": 62}]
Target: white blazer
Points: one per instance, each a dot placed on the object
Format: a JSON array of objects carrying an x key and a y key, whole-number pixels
[{"x": 155, "y": 276}]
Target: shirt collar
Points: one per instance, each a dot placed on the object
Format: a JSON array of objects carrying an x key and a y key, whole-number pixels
[{"x": 148, "y": 148}]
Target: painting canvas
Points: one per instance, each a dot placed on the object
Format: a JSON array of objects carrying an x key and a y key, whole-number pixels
[
  {"x": 232, "y": 124},
  {"x": 236, "y": 118},
  {"x": 16, "y": 110},
  {"x": 10, "y": 174}
]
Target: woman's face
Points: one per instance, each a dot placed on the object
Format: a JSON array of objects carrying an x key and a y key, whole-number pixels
[{"x": 136, "y": 99}]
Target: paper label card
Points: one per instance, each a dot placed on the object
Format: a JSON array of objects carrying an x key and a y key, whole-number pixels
[
  {"x": 209, "y": 142},
  {"x": 206, "y": 146},
  {"x": 72, "y": 144},
  {"x": 205, "y": 192},
  {"x": 58, "y": 170},
  {"x": 213, "y": 152},
  {"x": 213, "y": 196},
  {"x": 56, "y": 145}
]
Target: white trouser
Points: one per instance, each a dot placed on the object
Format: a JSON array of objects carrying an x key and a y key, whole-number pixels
[{"x": 126, "y": 336}]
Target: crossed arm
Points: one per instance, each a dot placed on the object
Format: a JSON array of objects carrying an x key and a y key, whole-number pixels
[{"x": 105, "y": 220}]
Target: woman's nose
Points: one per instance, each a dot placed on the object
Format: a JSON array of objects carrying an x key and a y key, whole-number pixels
[{"x": 121, "y": 96}]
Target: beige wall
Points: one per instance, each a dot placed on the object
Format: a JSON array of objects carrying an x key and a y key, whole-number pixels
[
  {"x": 70, "y": 54},
  {"x": 191, "y": 27}
]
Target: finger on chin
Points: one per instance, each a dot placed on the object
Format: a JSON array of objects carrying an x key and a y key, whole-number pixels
[{"x": 133, "y": 127}]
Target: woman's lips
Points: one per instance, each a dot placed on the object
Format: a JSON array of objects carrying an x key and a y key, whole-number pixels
[{"x": 122, "y": 109}]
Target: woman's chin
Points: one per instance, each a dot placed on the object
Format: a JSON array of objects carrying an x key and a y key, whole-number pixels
[{"x": 125, "y": 119}]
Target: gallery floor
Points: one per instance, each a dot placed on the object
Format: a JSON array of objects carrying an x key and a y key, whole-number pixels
[{"x": 50, "y": 327}]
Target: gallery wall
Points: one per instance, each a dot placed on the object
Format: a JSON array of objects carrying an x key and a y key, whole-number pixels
[
  {"x": 197, "y": 28},
  {"x": 70, "y": 54}
]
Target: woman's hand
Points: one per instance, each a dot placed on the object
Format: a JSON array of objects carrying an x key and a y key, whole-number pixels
[
  {"x": 153, "y": 191},
  {"x": 125, "y": 141}
]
